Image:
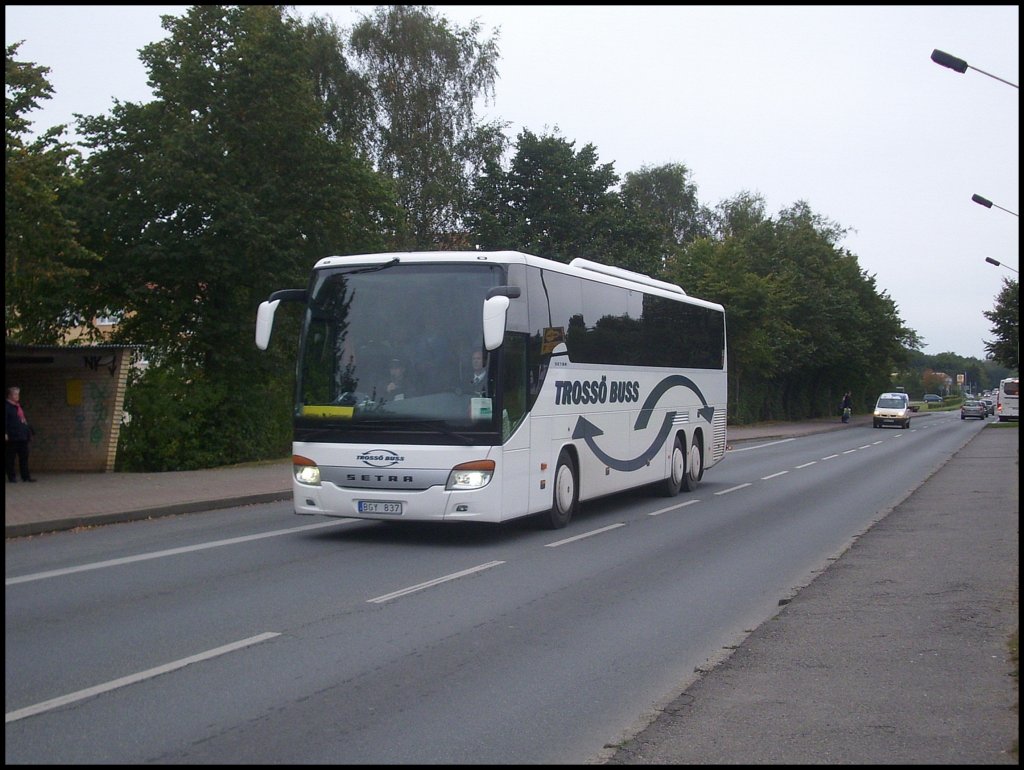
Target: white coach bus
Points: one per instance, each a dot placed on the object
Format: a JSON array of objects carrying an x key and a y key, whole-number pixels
[
  {"x": 1008, "y": 399},
  {"x": 594, "y": 380}
]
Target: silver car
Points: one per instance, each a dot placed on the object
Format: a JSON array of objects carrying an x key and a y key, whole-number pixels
[
  {"x": 988, "y": 402},
  {"x": 973, "y": 409}
]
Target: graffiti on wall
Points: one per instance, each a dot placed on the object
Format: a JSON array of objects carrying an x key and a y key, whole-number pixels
[
  {"x": 100, "y": 398},
  {"x": 95, "y": 362}
]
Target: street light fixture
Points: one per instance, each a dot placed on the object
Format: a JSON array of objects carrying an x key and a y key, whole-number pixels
[
  {"x": 959, "y": 65},
  {"x": 997, "y": 263},
  {"x": 989, "y": 204}
]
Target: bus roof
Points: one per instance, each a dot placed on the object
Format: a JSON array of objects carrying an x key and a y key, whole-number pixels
[{"x": 579, "y": 267}]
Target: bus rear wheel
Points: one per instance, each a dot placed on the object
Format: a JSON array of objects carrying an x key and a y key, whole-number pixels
[
  {"x": 694, "y": 467},
  {"x": 566, "y": 494}
]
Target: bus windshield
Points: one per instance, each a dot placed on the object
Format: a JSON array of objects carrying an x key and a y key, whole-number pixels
[{"x": 397, "y": 347}]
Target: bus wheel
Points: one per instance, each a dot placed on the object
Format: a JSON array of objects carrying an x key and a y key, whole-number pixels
[
  {"x": 677, "y": 469},
  {"x": 694, "y": 467},
  {"x": 566, "y": 494}
]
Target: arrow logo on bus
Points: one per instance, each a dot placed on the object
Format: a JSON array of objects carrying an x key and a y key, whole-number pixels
[
  {"x": 707, "y": 412},
  {"x": 587, "y": 431}
]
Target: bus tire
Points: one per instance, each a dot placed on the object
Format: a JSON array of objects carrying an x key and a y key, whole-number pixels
[
  {"x": 566, "y": 494},
  {"x": 671, "y": 486},
  {"x": 694, "y": 467}
]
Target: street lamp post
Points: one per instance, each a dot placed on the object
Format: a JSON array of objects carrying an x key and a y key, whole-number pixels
[
  {"x": 997, "y": 263},
  {"x": 959, "y": 65},
  {"x": 989, "y": 204}
]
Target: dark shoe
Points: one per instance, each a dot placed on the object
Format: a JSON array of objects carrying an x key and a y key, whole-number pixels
[
  {"x": 31, "y": 481},
  {"x": 12, "y": 481}
]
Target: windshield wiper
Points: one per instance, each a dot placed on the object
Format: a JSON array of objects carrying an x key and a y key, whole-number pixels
[{"x": 373, "y": 268}]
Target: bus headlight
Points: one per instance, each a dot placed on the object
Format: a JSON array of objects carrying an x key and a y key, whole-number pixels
[
  {"x": 305, "y": 470},
  {"x": 472, "y": 475}
]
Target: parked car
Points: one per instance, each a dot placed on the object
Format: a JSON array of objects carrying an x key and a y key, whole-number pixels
[
  {"x": 892, "y": 409},
  {"x": 973, "y": 409},
  {"x": 990, "y": 403},
  {"x": 931, "y": 398}
]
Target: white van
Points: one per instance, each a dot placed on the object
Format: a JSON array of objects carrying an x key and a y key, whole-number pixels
[{"x": 892, "y": 409}]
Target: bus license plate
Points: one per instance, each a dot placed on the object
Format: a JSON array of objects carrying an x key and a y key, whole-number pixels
[{"x": 377, "y": 506}]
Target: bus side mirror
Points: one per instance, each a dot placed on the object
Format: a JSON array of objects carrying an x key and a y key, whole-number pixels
[
  {"x": 265, "y": 313},
  {"x": 265, "y": 322},
  {"x": 495, "y": 309}
]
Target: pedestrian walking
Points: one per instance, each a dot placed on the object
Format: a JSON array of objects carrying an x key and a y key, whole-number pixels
[
  {"x": 17, "y": 435},
  {"x": 847, "y": 406}
]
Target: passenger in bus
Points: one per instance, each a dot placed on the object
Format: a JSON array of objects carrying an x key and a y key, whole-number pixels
[{"x": 397, "y": 388}]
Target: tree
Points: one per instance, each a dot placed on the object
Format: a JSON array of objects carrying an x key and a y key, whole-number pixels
[
  {"x": 934, "y": 381},
  {"x": 43, "y": 259},
  {"x": 666, "y": 194},
  {"x": 346, "y": 97},
  {"x": 555, "y": 202},
  {"x": 225, "y": 187},
  {"x": 737, "y": 268},
  {"x": 1005, "y": 318},
  {"x": 804, "y": 322},
  {"x": 426, "y": 76}
]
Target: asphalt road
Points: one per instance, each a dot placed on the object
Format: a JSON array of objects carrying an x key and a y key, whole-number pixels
[{"x": 896, "y": 654}]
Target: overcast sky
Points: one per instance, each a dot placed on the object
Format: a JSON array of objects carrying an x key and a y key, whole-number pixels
[{"x": 838, "y": 106}]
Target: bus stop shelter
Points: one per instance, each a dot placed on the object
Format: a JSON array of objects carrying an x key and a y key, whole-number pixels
[{"x": 73, "y": 397}]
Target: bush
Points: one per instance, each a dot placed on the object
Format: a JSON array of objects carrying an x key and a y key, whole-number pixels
[{"x": 182, "y": 421}]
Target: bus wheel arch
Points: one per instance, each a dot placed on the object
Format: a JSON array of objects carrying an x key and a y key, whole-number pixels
[
  {"x": 694, "y": 471},
  {"x": 565, "y": 493}
]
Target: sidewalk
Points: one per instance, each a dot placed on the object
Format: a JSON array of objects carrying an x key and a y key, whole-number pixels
[{"x": 62, "y": 501}]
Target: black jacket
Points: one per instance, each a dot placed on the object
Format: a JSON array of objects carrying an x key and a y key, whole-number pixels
[{"x": 15, "y": 429}]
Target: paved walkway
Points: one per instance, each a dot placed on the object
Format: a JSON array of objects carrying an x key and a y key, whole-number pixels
[{"x": 61, "y": 501}]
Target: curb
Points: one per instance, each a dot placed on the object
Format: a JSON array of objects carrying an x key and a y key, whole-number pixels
[{"x": 74, "y": 522}]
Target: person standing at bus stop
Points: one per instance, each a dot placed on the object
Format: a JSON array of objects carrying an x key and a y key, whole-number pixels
[{"x": 17, "y": 434}]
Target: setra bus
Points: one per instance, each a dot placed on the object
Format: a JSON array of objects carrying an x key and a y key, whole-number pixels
[
  {"x": 486, "y": 386},
  {"x": 1008, "y": 399}
]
